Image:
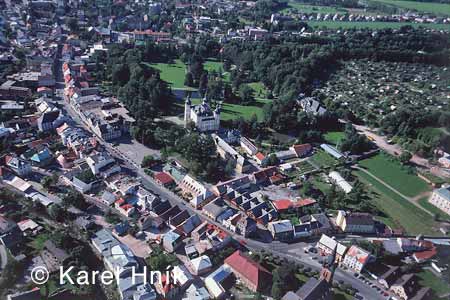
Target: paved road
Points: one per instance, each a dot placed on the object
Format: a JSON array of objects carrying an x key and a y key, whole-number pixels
[{"x": 409, "y": 199}]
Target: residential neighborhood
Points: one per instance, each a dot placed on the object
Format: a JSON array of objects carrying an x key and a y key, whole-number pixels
[{"x": 224, "y": 150}]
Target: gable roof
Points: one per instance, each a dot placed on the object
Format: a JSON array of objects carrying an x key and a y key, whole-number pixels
[{"x": 248, "y": 268}]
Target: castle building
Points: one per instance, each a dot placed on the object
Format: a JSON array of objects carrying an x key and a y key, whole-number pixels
[{"x": 204, "y": 118}]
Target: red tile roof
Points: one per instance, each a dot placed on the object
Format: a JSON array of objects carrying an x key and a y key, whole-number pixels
[
  {"x": 248, "y": 269},
  {"x": 425, "y": 255},
  {"x": 282, "y": 204},
  {"x": 163, "y": 178},
  {"x": 260, "y": 156},
  {"x": 302, "y": 149}
]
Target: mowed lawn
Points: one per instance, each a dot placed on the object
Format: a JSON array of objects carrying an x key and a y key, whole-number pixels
[
  {"x": 175, "y": 73},
  {"x": 395, "y": 175},
  {"x": 373, "y": 25},
  {"x": 334, "y": 137},
  {"x": 428, "y": 7},
  {"x": 399, "y": 213},
  {"x": 439, "y": 287},
  {"x": 235, "y": 111}
]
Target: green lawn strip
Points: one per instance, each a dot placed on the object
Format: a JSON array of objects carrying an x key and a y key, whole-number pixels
[
  {"x": 334, "y": 137},
  {"x": 429, "y": 7},
  {"x": 393, "y": 174},
  {"x": 410, "y": 217},
  {"x": 433, "y": 209},
  {"x": 437, "y": 285},
  {"x": 373, "y": 25}
]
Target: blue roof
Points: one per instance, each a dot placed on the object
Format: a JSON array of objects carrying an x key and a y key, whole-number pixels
[{"x": 41, "y": 155}]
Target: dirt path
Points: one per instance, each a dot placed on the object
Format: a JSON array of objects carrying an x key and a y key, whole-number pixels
[{"x": 412, "y": 200}]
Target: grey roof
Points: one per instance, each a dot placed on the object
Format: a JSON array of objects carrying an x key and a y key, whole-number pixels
[
  {"x": 314, "y": 289},
  {"x": 444, "y": 193},
  {"x": 213, "y": 209}
]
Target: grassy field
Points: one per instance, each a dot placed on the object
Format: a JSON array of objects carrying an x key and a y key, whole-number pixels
[
  {"x": 433, "y": 209},
  {"x": 428, "y": 7},
  {"x": 439, "y": 287},
  {"x": 334, "y": 137},
  {"x": 307, "y": 8},
  {"x": 234, "y": 111},
  {"x": 395, "y": 175},
  {"x": 323, "y": 159},
  {"x": 174, "y": 73},
  {"x": 398, "y": 211},
  {"x": 373, "y": 25}
]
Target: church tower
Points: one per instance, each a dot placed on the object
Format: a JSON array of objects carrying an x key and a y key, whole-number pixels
[{"x": 187, "y": 111}]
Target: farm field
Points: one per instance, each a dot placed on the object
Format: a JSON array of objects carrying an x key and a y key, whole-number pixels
[
  {"x": 427, "y": 7},
  {"x": 395, "y": 175},
  {"x": 398, "y": 211},
  {"x": 373, "y": 25}
]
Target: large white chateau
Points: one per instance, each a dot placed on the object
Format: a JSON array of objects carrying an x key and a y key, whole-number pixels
[{"x": 204, "y": 118}]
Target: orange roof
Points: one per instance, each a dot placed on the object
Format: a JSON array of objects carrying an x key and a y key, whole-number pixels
[{"x": 260, "y": 156}]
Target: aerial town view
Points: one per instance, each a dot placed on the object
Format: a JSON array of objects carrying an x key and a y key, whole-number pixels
[{"x": 224, "y": 149}]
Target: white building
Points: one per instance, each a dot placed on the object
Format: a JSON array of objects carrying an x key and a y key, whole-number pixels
[
  {"x": 441, "y": 199},
  {"x": 337, "y": 179},
  {"x": 356, "y": 258},
  {"x": 204, "y": 118}
]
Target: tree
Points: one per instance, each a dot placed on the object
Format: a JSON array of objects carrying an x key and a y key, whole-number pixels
[
  {"x": 203, "y": 84},
  {"x": 405, "y": 157},
  {"x": 56, "y": 212},
  {"x": 246, "y": 94},
  {"x": 48, "y": 181},
  {"x": 147, "y": 161},
  {"x": 272, "y": 160},
  {"x": 75, "y": 198},
  {"x": 189, "y": 79}
]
